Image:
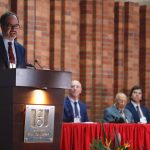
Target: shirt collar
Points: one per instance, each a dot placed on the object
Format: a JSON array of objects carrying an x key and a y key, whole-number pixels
[
  {"x": 134, "y": 104},
  {"x": 6, "y": 41},
  {"x": 72, "y": 100}
]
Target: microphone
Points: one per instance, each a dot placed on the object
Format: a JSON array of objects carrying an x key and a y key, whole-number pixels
[
  {"x": 30, "y": 66},
  {"x": 37, "y": 62},
  {"x": 119, "y": 120}
]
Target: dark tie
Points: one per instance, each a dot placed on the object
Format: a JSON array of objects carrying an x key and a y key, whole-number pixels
[
  {"x": 76, "y": 109},
  {"x": 10, "y": 52},
  {"x": 138, "y": 111}
]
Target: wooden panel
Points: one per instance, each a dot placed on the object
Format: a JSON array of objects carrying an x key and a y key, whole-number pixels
[
  {"x": 12, "y": 115},
  {"x": 35, "y": 78}
]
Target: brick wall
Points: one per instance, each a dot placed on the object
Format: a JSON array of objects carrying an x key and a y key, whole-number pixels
[
  {"x": 119, "y": 58},
  {"x": 145, "y": 51},
  {"x": 4, "y": 6},
  {"x": 105, "y": 44},
  {"x": 107, "y": 78}
]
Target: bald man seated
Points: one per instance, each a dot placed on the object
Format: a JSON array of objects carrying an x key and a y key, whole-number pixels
[
  {"x": 117, "y": 113},
  {"x": 74, "y": 109}
]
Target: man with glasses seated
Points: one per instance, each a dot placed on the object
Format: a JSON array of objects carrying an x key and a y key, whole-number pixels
[{"x": 12, "y": 54}]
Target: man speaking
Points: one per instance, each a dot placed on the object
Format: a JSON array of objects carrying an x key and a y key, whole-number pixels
[{"x": 12, "y": 54}]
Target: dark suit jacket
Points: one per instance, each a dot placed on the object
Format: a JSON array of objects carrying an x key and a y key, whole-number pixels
[
  {"x": 20, "y": 54},
  {"x": 68, "y": 111},
  {"x": 111, "y": 114},
  {"x": 136, "y": 118}
]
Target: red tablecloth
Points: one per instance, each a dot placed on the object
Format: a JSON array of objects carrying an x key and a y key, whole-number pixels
[{"x": 77, "y": 136}]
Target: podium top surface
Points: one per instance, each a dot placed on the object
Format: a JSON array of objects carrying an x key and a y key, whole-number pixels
[{"x": 35, "y": 78}]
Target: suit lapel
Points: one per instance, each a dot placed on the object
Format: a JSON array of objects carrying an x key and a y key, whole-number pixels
[
  {"x": 143, "y": 110},
  {"x": 134, "y": 110},
  {"x": 127, "y": 115},
  {"x": 116, "y": 111},
  {"x": 17, "y": 51},
  {"x": 3, "y": 52},
  {"x": 69, "y": 105}
]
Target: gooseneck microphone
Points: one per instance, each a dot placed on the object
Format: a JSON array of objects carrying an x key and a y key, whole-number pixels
[{"x": 37, "y": 62}]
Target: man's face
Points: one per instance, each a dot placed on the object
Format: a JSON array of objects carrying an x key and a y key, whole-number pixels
[
  {"x": 136, "y": 95},
  {"x": 122, "y": 102},
  {"x": 75, "y": 89},
  {"x": 10, "y": 30}
]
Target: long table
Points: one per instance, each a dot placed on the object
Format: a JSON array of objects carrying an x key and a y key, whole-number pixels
[{"x": 78, "y": 136}]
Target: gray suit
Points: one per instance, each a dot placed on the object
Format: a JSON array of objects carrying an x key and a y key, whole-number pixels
[{"x": 111, "y": 114}]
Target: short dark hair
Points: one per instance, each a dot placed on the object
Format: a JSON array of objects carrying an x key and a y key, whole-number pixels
[
  {"x": 4, "y": 17},
  {"x": 136, "y": 87}
]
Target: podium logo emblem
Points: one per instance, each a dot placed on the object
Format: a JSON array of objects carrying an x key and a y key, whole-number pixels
[{"x": 39, "y": 124}]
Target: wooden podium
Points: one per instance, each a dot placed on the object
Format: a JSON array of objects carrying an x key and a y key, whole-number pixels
[{"x": 16, "y": 88}]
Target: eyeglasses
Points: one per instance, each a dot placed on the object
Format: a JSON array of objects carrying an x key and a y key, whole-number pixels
[{"x": 16, "y": 26}]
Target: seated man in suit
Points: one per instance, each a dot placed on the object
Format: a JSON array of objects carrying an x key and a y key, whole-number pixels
[
  {"x": 12, "y": 54},
  {"x": 117, "y": 112},
  {"x": 74, "y": 109},
  {"x": 139, "y": 112}
]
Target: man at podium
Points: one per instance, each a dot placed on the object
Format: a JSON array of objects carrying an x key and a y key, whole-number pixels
[
  {"x": 12, "y": 54},
  {"x": 74, "y": 109}
]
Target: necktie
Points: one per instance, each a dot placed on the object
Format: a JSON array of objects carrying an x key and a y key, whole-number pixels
[
  {"x": 10, "y": 52},
  {"x": 76, "y": 109},
  {"x": 138, "y": 111},
  {"x": 121, "y": 111},
  {"x": 122, "y": 114}
]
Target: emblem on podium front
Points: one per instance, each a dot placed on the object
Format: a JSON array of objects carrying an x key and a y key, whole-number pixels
[{"x": 39, "y": 124}]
